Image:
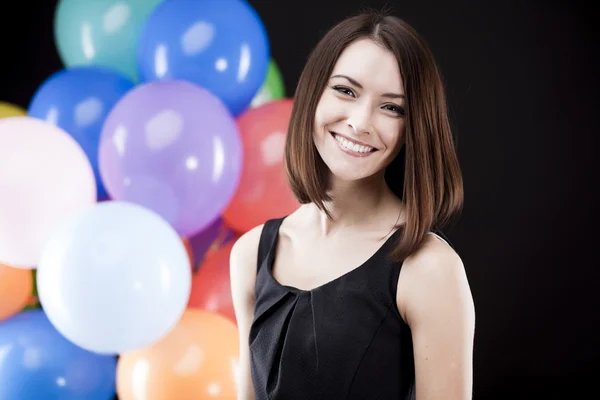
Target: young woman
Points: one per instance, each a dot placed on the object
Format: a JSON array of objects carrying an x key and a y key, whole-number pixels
[{"x": 353, "y": 296}]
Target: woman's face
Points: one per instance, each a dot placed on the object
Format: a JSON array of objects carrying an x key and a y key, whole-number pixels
[{"x": 359, "y": 120}]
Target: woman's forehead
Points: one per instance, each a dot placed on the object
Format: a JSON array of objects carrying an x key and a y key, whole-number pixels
[{"x": 372, "y": 66}]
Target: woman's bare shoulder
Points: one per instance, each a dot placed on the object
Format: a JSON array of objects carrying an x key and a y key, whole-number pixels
[
  {"x": 430, "y": 277},
  {"x": 243, "y": 262},
  {"x": 245, "y": 250}
]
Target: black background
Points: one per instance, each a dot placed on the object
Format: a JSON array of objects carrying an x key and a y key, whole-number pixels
[{"x": 521, "y": 80}]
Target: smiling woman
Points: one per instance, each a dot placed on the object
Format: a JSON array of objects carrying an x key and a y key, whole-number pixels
[
  {"x": 353, "y": 296},
  {"x": 358, "y": 111}
]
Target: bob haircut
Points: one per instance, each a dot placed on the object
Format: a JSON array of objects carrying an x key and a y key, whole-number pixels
[{"x": 425, "y": 174}]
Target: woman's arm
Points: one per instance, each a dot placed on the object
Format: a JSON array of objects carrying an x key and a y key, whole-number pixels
[
  {"x": 436, "y": 301},
  {"x": 242, "y": 266}
]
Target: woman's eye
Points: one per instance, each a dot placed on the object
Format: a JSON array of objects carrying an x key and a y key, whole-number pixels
[
  {"x": 344, "y": 90},
  {"x": 395, "y": 109}
]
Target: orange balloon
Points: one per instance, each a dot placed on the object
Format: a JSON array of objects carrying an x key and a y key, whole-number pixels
[
  {"x": 15, "y": 290},
  {"x": 211, "y": 286},
  {"x": 263, "y": 191},
  {"x": 188, "y": 248},
  {"x": 197, "y": 360}
]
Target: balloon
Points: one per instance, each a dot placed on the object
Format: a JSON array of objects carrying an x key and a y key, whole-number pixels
[
  {"x": 201, "y": 241},
  {"x": 188, "y": 249},
  {"x": 221, "y": 45},
  {"x": 15, "y": 290},
  {"x": 263, "y": 192},
  {"x": 211, "y": 286},
  {"x": 101, "y": 32},
  {"x": 196, "y": 361},
  {"x": 11, "y": 110},
  {"x": 45, "y": 176},
  {"x": 174, "y": 148},
  {"x": 38, "y": 363},
  {"x": 34, "y": 302},
  {"x": 273, "y": 87},
  {"x": 78, "y": 100},
  {"x": 211, "y": 238},
  {"x": 114, "y": 278}
]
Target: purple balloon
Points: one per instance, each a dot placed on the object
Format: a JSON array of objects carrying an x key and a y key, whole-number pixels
[
  {"x": 217, "y": 233},
  {"x": 173, "y": 147},
  {"x": 201, "y": 241}
]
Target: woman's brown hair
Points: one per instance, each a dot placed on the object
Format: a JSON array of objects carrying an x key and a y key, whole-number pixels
[{"x": 426, "y": 173}]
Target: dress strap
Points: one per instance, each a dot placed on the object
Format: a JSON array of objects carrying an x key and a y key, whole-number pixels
[
  {"x": 442, "y": 236},
  {"x": 268, "y": 235}
]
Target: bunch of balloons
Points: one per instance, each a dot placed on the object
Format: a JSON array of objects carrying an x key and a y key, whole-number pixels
[{"x": 125, "y": 183}]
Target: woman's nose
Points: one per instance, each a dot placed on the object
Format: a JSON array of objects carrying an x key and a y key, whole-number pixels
[{"x": 359, "y": 119}]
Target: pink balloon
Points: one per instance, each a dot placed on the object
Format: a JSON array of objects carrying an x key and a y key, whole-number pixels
[{"x": 45, "y": 177}]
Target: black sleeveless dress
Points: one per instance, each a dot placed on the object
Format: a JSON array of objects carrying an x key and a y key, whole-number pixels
[{"x": 342, "y": 340}]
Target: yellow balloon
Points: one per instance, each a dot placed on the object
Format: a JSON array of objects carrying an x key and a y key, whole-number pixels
[{"x": 11, "y": 110}]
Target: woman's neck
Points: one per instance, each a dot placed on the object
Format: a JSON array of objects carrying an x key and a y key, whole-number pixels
[{"x": 364, "y": 204}]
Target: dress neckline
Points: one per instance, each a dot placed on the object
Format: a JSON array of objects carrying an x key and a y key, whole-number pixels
[{"x": 270, "y": 260}]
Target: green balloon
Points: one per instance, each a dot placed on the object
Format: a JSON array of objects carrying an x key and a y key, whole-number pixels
[
  {"x": 34, "y": 302},
  {"x": 35, "y": 292},
  {"x": 272, "y": 88},
  {"x": 101, "y": 33}
]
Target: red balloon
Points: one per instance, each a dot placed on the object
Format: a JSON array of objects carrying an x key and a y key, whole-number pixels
[
  {"x": 211, "y": 286},
  {"x": 263, "y": 192}
]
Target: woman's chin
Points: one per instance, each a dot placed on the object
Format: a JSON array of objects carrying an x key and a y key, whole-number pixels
[{"x": 346, "y": 176}]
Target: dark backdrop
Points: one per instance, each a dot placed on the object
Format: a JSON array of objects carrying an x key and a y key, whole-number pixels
[{"x": 521, "y": 78}]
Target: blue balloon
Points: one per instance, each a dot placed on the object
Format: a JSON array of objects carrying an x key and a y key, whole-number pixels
[
  {"x": 78, "y": 100},
  {"x": 36, "y": 362},
  {"x": 221, "y": 45}
]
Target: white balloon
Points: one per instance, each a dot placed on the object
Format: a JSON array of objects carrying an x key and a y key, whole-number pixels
[
  {"x": 44, "y": 177},
  {"x": 114, "y": 278}
]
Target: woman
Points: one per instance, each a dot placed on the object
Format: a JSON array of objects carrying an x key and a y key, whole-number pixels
[{"x": 353, "y": 296}]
